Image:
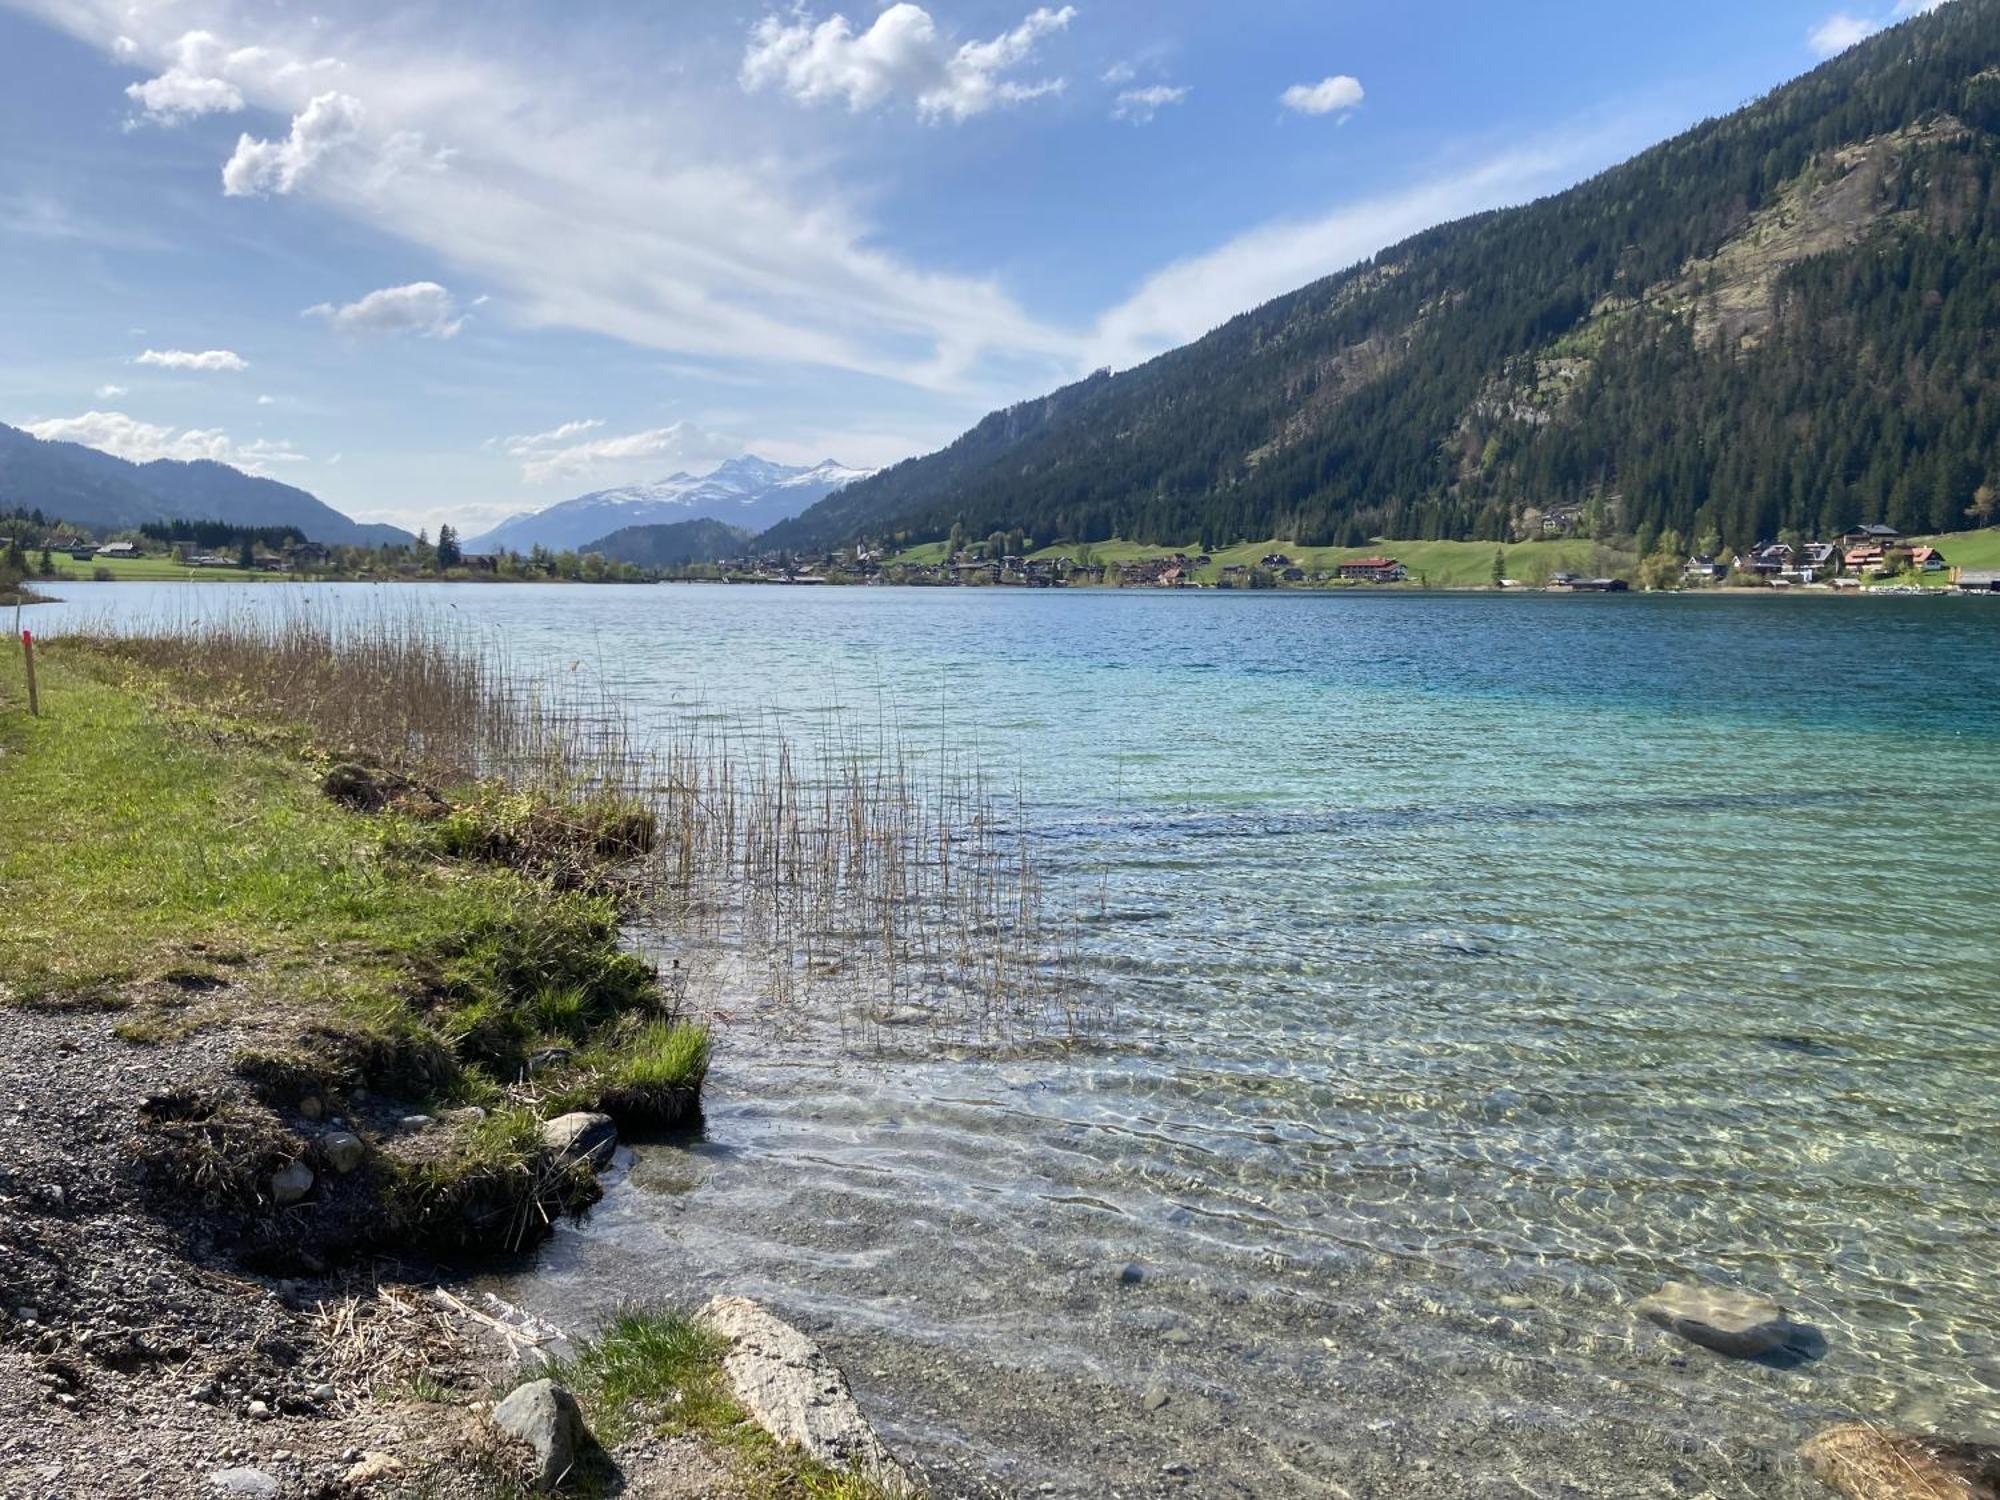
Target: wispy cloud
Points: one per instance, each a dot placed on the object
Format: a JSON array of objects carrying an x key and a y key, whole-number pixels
[
  {"x": 1141, "y": 105},
  {"x": 1187, "y": 299},
  {"x": 206, "y": 361},
  {"x": 422, "y": 308},
  {"x": 697, "y": 246},
  {"x": 902, "y": 54},
  {"x": 1844, "y": 29},
  {"x": 142, "y": 442},
  {"x": 566, "y": 452},
  {"x": 1339, "y": 94},
  {"x": 109, "y": 392}
]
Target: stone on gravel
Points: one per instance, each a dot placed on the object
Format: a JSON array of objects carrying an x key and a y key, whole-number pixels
[
  {"x": 798, "y": 1395},
  {"x": 1739, "y": 1324},
  {"x": 244, "y": 1484},
  {"x": 545, "y": 1417},
  {"x": 1869, "y": 1463},
  {"x": 290, "y": 1184},
  {"x": 342, "y": 1150},
  {"x": 373, "y": 1466},
  {"x": 581, "y": 1137}
]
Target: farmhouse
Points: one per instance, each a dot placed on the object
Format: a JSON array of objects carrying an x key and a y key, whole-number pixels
[{"x": 1374, "y": 570}]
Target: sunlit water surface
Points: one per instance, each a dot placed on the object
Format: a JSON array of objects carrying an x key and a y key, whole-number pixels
[{"x": 1480, "y": 964}]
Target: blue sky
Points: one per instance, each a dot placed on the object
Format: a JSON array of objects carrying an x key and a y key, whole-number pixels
[{"x": 448, "y": 262}]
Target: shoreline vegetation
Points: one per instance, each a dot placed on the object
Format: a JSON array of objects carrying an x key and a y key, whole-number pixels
[
  {"x": 329, "y": 928},
  {"x": 1569, "y": 559}
]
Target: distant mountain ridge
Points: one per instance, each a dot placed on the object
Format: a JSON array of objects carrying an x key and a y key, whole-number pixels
[
  {"x": 749, "y": 492},
  {"x": 99, "y": 490},
  {"x": 1787, "y": 318}
]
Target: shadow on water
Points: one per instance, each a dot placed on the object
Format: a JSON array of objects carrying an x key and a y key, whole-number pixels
[{"x": 1804, "y": 1345}]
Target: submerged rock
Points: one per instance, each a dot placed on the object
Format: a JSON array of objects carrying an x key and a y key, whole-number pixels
[
  {"x": 1869, "y": 1463},
  {"x": 1738, "y": 1324},
  {"x": 545, "y": 1417},
  {"x": 581, "y": 1137},
  {"x": 798, "y": 1395}
]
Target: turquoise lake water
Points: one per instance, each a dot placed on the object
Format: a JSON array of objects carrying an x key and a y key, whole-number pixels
[{"x": 1480, "y": 963}]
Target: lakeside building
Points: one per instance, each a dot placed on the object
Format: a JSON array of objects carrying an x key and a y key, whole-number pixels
[{"x": 1373, "y": 570}]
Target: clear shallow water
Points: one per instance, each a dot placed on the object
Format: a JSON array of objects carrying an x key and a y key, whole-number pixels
[{"x": 1482, "y": 963}]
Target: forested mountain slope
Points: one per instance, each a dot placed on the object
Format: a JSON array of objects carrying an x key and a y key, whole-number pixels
[
  {"x": 1789, "y": 317},
  {"x": 87, "y": 487}
]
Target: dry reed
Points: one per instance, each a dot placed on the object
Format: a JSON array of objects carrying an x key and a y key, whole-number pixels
[{"x": 845, "y": 883}]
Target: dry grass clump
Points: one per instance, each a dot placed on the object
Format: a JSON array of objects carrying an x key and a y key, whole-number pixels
[
  {"x": 212, "y": 1152},
  {"x": 1868, "y": 1463}
]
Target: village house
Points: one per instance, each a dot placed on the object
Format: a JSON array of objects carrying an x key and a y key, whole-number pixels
[
  {"x": 1766, "y": 559},
  {"x": 1705, "y": 570},
  {"x": 1374, "y": 570},
  {"x": 119, "y": 550},
  {"x": 1874, "y": 534},
  {"x": 1927, "y": 560}
]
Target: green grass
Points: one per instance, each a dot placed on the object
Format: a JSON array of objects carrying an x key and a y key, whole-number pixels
[
  {"x": 149, "y": 570},
  {"x": 148, "y": 847},
  {"x": 1978, "y": 550},
  {"x": 1435, "y": 564}
]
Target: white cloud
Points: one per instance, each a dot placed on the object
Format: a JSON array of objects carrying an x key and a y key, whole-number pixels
[
  {"x": 267, "y": 400},
  {"x": 1140, "y": 105},
  {"x": 107, "y": 392},
  {"x": 193, "y": 84},
  {"x": 207, "y": 361},
  {"x": 328, "y": 122},
  {"x": 1120, "y": 72},
  {"x": 142, "y": 442},
  {"x": 564, "y": 453},
  {"x": 1338, "y": 94},
  {"x": 707, "y": 239},
  {"x": 1844, "y": 29},
  {"x": 423, "y": 308},
  {"x": 178, "y": 96},
  {"x": 901, "y": 54},
  {"x": 1839, "y": 32}
]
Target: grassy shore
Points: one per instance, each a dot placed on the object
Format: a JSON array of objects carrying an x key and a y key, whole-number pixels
[
  {"x": 438, "y": 965},
  {"x": 190, "y": 869},
  {"x": 1434, "y": 564}
]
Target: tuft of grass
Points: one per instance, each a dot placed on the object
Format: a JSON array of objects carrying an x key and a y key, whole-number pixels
[
  {"x": 491, "y": 1184},
  {"x": 655, "y": 1081},
  {"x": 650, "y": 1369}
]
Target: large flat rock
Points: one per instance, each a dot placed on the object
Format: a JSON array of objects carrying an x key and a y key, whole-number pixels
[{"x": 798, "y": 1395}]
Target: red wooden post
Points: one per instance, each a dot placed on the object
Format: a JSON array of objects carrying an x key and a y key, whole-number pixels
[{"x": 28, "y": 654}]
